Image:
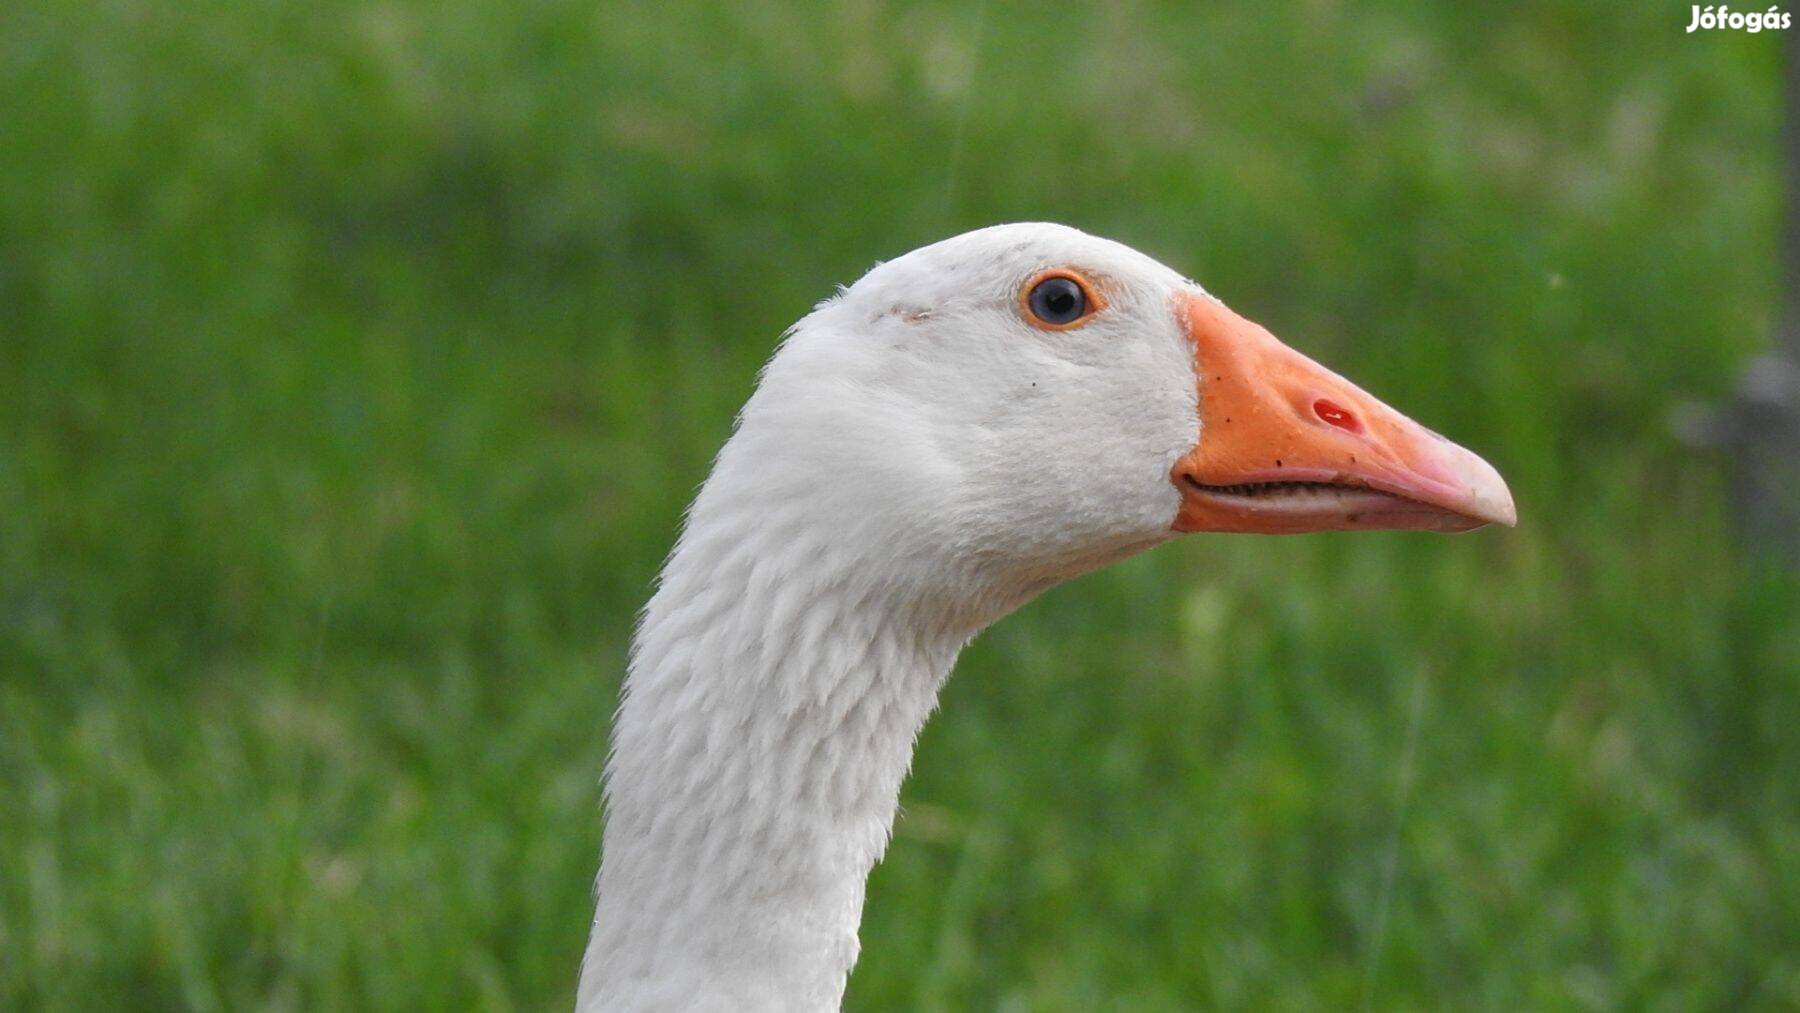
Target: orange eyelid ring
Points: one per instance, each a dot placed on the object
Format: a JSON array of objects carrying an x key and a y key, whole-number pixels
[{"x": 1089, "y": 291}]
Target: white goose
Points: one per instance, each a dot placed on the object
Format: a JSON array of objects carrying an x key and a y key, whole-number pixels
[{"x": 962, "y": 428}]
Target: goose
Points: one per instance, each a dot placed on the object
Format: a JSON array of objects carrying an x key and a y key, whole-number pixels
[{"x": 962, "y": 428}]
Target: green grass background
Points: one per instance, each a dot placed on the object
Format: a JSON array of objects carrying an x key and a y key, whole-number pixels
[{"x": 357, "y": 359}]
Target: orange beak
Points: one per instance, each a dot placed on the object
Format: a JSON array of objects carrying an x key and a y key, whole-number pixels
[{"x": 1287, "y": 446}]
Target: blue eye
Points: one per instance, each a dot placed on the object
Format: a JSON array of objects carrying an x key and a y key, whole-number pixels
[{"x": 1057, "y": 301}]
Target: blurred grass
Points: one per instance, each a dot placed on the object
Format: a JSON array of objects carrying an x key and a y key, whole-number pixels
[{"x": 359, "y": 358}]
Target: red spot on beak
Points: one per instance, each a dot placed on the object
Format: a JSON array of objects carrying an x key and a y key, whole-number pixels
[{"x": 1331, "y": 414}]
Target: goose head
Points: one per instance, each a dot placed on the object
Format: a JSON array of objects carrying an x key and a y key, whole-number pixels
[
  {"x": 963, "y": 427},
  {"x": 1013, "y": 406}
]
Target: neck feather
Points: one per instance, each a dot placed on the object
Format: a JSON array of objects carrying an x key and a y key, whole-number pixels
[{"x": 766, "y": 723}]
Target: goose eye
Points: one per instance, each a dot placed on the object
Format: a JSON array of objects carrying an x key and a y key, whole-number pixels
[{"x": 1057, "y": 300}]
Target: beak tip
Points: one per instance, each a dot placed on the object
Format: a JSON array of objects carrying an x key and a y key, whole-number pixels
[
  {"x": 1500, "y": 512},
  {"x": 1508, "y": 515},
  {"x": 1489, "y": 499}
]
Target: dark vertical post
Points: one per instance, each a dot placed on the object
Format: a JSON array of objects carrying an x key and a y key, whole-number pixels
[
  {"x": 1769, "y": 392},
  {"x": 1760, "y": 427}
]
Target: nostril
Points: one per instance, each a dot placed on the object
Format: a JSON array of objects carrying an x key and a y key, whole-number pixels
[{"x": 1332, "y": 414}]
